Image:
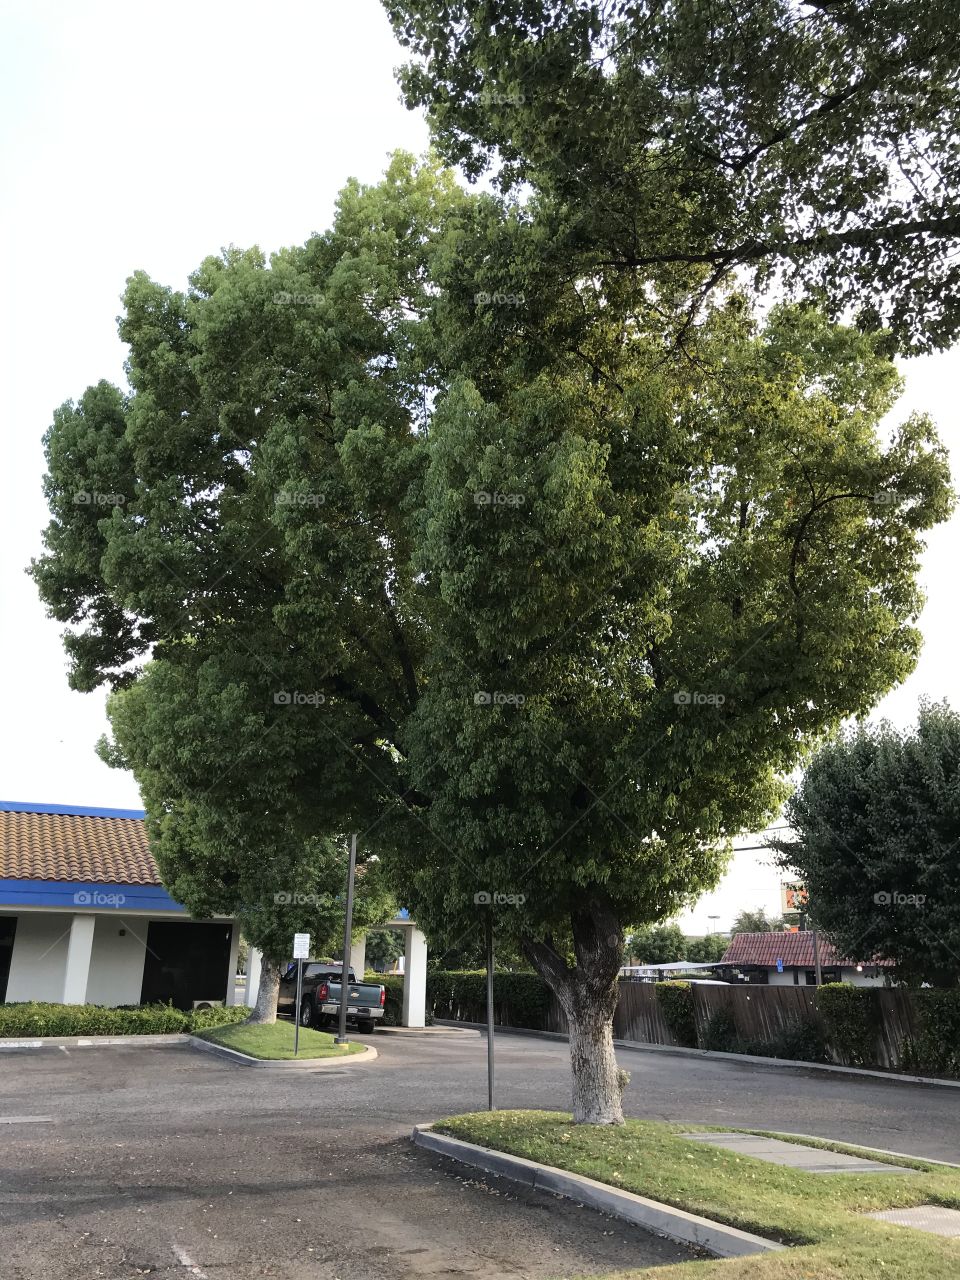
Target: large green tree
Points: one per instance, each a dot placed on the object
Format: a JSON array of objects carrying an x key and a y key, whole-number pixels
[
  {"x": 545, "y": 612},
  {"x": 815, "y": 143},
  {"x": 876, "y": 823}
]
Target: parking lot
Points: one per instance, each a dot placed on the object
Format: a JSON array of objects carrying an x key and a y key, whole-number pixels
[{"x": 132, "y": 1161}]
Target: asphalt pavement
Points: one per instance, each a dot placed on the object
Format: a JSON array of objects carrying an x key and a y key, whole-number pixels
[{"x": 130, "y": 1161}]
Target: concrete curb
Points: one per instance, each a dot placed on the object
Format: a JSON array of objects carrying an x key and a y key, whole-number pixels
[
  {"x": 687, "y": 1228},
  {"x": 745, "y": 1059},
  {"x": 11, "y": 1043},
  {"x": 295, "y": 1064},
  {"x": 446, "y": 1031}
]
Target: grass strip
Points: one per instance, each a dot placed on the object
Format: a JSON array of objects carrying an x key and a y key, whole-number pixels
[{"x": 820, "y": 1215}]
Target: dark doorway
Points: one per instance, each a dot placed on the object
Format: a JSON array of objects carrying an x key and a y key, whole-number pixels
[
  {"x": 8, "y": 927},
  {"x": 185, "y": 962}
]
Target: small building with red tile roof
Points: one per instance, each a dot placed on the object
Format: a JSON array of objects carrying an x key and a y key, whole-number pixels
[
  {"x": 787, "y": 958},
  {"x": 85, "y": 918}
]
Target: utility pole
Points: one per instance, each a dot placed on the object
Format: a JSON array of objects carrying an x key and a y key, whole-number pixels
[
  {"x": 489, "y": 924},
  {"x": 347, "y": 935}
]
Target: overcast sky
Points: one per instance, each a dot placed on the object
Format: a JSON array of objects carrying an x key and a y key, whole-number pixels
[{"x": 148, "y": 136}]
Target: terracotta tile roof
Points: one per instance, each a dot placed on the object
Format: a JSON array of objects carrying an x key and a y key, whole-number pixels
[
  {"x": 80, "y": 846},
  {"x": 794, "y": 949}
]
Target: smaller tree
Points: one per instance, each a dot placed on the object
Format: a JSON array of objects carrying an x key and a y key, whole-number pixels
[
  {"x": 877, "y": 843},
  {"x": 384, "y": 947},
  {"x": 657, "y": 944},
  {"x": 757, "y": 921},
  {"x": 708, "y": 949}
]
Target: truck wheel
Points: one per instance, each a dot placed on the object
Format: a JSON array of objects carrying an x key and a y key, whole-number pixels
[
  {"x": 365, "y": 1025},
  {"x": 307, "y": 1015}
]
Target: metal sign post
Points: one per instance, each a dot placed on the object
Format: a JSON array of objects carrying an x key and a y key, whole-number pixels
[
  {"x": 301, "y": 952},
  {"x": 489, "y": 923},
  {"x": 341, "y": 1038}
]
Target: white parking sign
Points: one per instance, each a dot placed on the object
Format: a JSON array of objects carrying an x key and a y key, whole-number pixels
[{"x": 301, "y": 946}]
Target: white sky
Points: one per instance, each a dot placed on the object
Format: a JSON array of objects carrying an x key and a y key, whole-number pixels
[{"x": 146, "y": 136}]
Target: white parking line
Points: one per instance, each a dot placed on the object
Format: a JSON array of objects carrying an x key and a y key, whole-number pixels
[
  {"x": 26, "y": 1119},
  {"x": 188, "y": 1263}
]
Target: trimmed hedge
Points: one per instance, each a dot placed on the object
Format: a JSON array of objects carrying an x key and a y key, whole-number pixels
[
  {"x": 676, "y": 1004},
  {"x": 519, "y": 999},
  {"x": 935, "y": 1049},
  {"x": 393, "y": 985},
  {"x": 37, "y": 1019},
  {"x": 851, "y": 1022}
]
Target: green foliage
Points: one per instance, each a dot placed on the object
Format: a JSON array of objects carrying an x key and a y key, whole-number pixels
[
  {"x": 393, "y": 984},
  {"x": 384, "y": 947},
  {"x": 544, "y": 601},
  {"x": 819, "y": 143},
  {"x": 935, "y": 1048},
  {"x": 757, "y": 921},
  {"x": 877, "y": 825},
  {"x": 676, "y": 1004},
  {"x": 850, "y": 1019},
  {"x": 708, "y": 948},
  {"x": 720, "y": 1032},
  {"x": 519, "y": 999},
  {"x": 36, "y": 1018},
  {"x": 656, "y": 944}
]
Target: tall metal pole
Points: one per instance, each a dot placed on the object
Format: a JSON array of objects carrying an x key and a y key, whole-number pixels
[
  {"x": 817, "y": 972},
  {"x": 347, "y": 934},
  {"x": 489, "y": 923},
  {"x": 296, "y": 1012}
]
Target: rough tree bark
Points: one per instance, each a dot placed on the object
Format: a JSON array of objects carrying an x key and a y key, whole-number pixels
[
  {"x": 265, "y": 1010},
  {"x": 588, "y": 996}
]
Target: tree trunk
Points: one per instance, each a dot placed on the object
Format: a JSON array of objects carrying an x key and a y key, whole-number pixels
[
  {"x": 588, "y": 996},
  {"x": 265, "y": 1010}
]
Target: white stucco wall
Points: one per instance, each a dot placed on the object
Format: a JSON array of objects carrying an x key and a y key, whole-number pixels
[
  {"x": 39, "y": 958},
  {"x": 116, "y": 962}
]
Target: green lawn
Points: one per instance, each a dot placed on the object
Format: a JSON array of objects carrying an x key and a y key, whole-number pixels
[
  {"x": 275, "y": 1041},
  {"x": 816, "y": 1214}
]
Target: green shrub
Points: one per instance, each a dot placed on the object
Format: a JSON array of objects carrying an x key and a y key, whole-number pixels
[
  {"x": 519, "y": 999},
  {"x": 676, "y": 1004},
  {"x": 850, "y": 1017},
  {"x": 393, "y": 984},
  {"x": 935, "y": 1049},
  {"x": 204, "y": 1019},
  {"x": 35, "y": 1019},
  {"x": 720, "y": 1033},
  {"x": 797, "y": 1040}
]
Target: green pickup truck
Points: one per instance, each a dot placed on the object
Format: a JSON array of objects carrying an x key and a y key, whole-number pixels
[{"x": 320, "y": 996}]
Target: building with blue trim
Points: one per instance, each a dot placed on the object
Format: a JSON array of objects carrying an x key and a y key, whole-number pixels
[{"x": 85, "y": 919}]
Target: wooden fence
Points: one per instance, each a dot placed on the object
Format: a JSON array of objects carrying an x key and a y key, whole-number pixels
[{"x": 759, "y": 1015}]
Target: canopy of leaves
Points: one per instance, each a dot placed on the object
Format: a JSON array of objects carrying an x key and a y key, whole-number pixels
[
  {"x": 877, "y": 842},
  {"x": 656, "y": 944},
  {"x": 545, "y": 621},
  {"x": 757, "y": 921},
  {"x": 816, "y": 141}
]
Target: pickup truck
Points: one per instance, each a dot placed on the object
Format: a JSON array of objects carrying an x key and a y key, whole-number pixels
[{"x": 320, "y": 996}]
